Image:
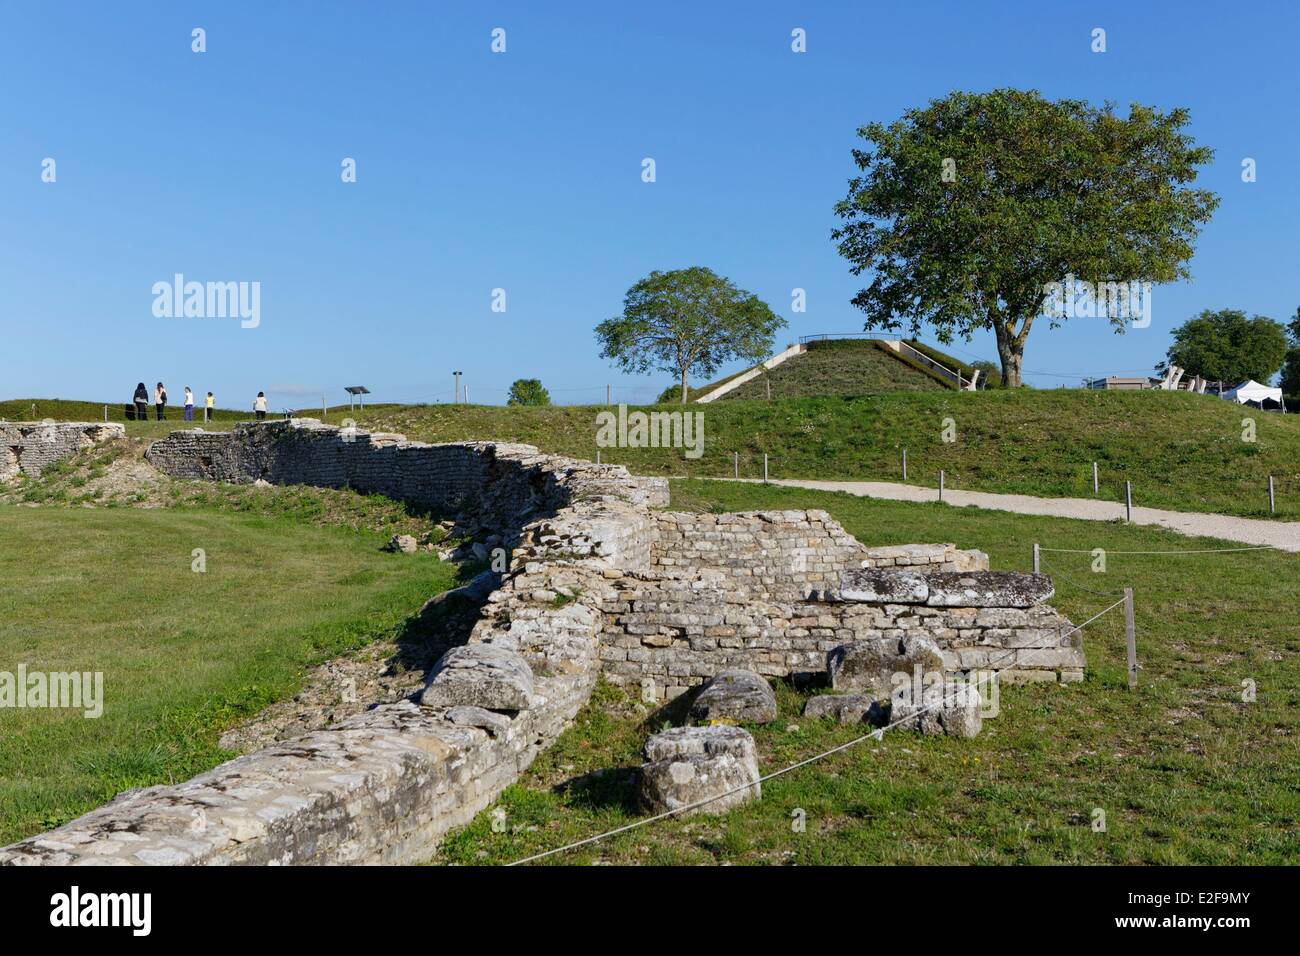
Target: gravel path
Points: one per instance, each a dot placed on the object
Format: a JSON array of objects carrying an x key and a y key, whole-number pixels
[{"x": 1284, "y": 535}]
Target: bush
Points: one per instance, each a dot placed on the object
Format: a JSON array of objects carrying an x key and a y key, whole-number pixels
[{"x": 528, "y": 391}]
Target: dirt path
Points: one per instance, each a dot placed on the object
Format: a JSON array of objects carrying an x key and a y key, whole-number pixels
[{"x": 1284, "y": 535}]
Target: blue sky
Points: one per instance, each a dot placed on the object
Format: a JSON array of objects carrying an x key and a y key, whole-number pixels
[{"x": 522, "y": 171}]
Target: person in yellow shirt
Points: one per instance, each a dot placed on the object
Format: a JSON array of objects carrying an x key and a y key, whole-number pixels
[{"x": 207, "y": 408}]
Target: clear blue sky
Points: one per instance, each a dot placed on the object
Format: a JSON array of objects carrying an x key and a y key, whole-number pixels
[{"x": 523, "y": 171}]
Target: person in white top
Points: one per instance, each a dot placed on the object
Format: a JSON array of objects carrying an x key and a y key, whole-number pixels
[
  {"x": 259, "y": 405},
  {"x": 189, "y": 404}
]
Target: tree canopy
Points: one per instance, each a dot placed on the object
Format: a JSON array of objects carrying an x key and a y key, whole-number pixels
[
  {"x": 528, "y": 391},
  {"x": 1228, "y": 347},
  {"x": 1291, "y": 367},
  {"x": 967, "y": 211},
  {"x": 687, "y": 321}
]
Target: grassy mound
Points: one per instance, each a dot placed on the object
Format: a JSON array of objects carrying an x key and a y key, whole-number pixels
[{"x": 841, "y": 367}]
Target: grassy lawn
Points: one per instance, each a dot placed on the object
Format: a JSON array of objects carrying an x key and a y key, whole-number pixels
[
  {"x": 844, "y": 367},
  {"x": 183, "y": 654},
  {"x": 1184, "y": 770}
]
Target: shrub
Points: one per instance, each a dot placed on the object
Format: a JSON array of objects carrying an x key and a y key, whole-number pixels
[{"x": 528, "y": 391}]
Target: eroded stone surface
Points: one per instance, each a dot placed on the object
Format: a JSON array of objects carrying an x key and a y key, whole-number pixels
[
  {"x": 687, "y": 765},
  {"x": 480, "y": 675},
  {"x": 949, "y": 709},
  {"x": 846, "y": 708},
  {"x": 736, "y": 695},
  {"x": 871, "y": 665},
  {"x": 28, "y": 448}
]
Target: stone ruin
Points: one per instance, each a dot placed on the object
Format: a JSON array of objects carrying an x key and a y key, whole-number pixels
[
  {"x": 28, "y": 448},
  {"x": 600, "y": 582}
]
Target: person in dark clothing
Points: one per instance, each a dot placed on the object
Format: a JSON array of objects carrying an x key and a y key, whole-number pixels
[
  {"x": 160, "y": 401},
  {"x": 141, "y": 401}
]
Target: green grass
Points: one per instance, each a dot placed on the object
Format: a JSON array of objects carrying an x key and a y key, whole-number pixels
[
  {"x": 184, "y": 654},
  {"x": 836, "y": 367},
  {"x": 1185, "y": 771},
  {"x": 1183, "y": 452}
]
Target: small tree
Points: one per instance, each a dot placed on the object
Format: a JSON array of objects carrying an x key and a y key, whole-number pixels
[
  {"x": 687, "y": 320},
  {"x": 528, "y": 391},
  {"x": 967, "y": 210},
  {"x": 1228, "y": 347}
]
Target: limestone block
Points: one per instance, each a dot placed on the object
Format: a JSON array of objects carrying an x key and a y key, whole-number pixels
[
  {"x": 988, "y": 589},
  {"x": 948, "y": 709},
  {"x": 690, "y": 764},
  {"x": 870, "y": 665},
  {"x": 846, "y": 708},
  {"x": 882, "y": 586},
  {"x": 738, "y": 695},
  {"x": 480, "y": 675}
]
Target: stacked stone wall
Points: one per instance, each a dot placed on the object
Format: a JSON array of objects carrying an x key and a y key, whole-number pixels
[{"x": 28, "y": 448}]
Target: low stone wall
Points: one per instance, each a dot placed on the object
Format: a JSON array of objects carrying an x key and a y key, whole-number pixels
[
  {"x": 764, "y": 591},
  {"x": 385, "y": 786},
  {"x": 28, "y": 448},
  {"x": 598, "y": 581}
]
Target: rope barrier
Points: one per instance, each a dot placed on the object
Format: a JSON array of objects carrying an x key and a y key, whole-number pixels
[{"x": 877, "y": 734}]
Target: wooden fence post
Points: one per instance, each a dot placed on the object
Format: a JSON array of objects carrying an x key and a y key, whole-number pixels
[{"x": 1130, "y": 632}]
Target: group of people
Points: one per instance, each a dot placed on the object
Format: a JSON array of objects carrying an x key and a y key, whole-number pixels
[{"x": 141, "y": 400}]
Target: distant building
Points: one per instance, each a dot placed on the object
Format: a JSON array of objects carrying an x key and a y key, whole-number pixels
[{"x": 1117, "y": 382}]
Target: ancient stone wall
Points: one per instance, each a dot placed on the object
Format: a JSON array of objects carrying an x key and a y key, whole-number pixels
[
  {"x": 383, "y": 787},
  {"x": 28, "y": 448},
  {"x": 599, "y": 581},
  {"x": 764, "y": 591}
]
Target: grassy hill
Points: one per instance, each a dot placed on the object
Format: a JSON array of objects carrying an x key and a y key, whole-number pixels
[
  {"x": 1181, "y": 451},
  {"x": 837, "y": 367}
]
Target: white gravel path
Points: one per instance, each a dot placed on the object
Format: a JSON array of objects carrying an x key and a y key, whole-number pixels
[{"x": 1284, "y": 535}]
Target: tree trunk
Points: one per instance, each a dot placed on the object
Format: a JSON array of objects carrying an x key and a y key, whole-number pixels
[
  {"x": 1011, "y": 350},
  {"x": 683, "y": 386}
]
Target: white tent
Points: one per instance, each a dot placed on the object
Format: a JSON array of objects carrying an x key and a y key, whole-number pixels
[{"x": 1253, "y": 393}]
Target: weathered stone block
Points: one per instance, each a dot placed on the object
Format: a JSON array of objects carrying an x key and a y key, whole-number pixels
[
  {"x": 480, "y": 675},
  {"x": 846, "y": 708},
  {"x": 949, "y": 709},
  {"x": 988, "y": 589},
  {"x": 883, "y": 586},
  {"x": 870, "y": 665},
  {"x": 737, "y": 695},
  {"x": 688, "y": 765}
]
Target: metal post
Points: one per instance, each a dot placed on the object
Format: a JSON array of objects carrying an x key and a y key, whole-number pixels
[
  {"x": 1128, "y": 501},
  {"x": 1272, "y": 509},
  {"x": 941, "y": 484},
  {"x": 736, "y": 456},
  {"x": 598, "y": 456},
  {"x": 1036, "y": 561},
  {"x": 608, "y": 395},
  {"x": 764, "y": 467},
  {"x": 1270, "y": 481},
  {"x": 1095, "y": 486},
  {"x": 905, "y": 464},
  {"x": 1130, "y": 632}
]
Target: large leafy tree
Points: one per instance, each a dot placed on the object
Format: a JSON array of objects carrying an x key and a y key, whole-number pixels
[
  {"x": 687, "y": 321},
  {"x": 967, "y": 210},
  {"x": 1228, "y": 347},
  {"x": 1291, "y": 367}
]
